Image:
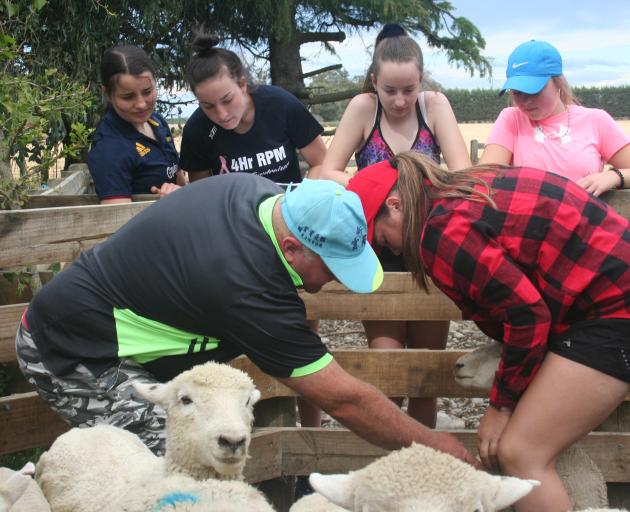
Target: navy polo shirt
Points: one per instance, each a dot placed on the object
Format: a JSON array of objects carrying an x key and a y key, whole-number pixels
[{"x": 123, "y": 161}]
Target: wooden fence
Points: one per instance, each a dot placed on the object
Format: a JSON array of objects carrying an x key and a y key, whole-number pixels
[{"x": 51, "y": 233}]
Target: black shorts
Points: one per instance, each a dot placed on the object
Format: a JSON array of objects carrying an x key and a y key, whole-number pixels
[{"x": 602, "y": 344}]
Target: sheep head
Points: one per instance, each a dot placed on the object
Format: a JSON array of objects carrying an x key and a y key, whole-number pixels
[
  {"x": 477, "y": 368},
  {"x": 417, "y": 479},
  {"x": 209, "y": 418}
]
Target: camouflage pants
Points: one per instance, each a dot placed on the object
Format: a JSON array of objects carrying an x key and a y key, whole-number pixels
[{"x": 84, "y": 400}]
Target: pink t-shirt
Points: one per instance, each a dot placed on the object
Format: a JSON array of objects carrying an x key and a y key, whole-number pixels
[{"x": 574, "y": 143}]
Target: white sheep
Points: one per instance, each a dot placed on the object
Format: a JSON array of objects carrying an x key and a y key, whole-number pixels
[
  {"x": 181, "y": 493},
  {"x": 208, "y": 430},
  {"x": 87, "y": 467},
  {"x": 209, "y": 420},
  {"x": 19, "y": 492},
  {"x": 581, "y": 477},
  {"x": 418, "y": 478}
]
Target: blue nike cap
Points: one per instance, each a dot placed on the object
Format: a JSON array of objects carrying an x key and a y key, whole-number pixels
[
  {"x": 530, "y": 66},
  {"x": 329, "y": 220}
]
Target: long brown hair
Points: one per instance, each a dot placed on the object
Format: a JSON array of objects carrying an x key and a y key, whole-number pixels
[
  {"x": 209, "y": 61},
  {"x": 419, "y": 183},
  {"x": 392, "y": 44}
]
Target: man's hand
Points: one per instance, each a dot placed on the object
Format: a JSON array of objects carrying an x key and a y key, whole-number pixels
[
  {"x": 491, "y": 428},
  {"x": 448, "y": 443}
]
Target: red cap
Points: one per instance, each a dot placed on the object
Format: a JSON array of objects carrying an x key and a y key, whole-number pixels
[{"x": 373, "y": 185}]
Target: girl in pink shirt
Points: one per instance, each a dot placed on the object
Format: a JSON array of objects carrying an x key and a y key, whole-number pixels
[{"x": 548, "y": 129}]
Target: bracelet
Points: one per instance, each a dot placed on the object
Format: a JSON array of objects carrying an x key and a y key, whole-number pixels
[{"x": 622, "y": 180}]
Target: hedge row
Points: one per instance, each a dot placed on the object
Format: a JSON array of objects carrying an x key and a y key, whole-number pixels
[{"x": 478, "y": 105}]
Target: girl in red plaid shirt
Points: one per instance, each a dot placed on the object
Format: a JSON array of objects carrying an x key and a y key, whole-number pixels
[{"x": 540, "y": 265}]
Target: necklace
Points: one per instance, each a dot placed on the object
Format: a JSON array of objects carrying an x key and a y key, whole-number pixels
[{"x": 542, "y": 133}]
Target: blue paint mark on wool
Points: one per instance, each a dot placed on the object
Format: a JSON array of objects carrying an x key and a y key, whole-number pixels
[{"x": 172, "y": 499}]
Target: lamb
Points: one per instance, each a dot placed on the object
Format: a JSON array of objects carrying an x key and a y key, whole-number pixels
[
  {"x": 19, "y": 492},
  {"x": 418, "y": 478},
  {"x": 208, "y": 430},
  {"x": 581, "y": 477}
]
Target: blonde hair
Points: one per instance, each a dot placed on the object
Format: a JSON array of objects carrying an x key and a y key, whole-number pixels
[
  {"x": 566, "y": 94},
  {"x": 419, "y": 183}
]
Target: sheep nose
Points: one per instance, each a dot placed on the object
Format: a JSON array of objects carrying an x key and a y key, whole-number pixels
[
  {"x": 232, "y": 444},
  {"x": 459, "y": 366}
]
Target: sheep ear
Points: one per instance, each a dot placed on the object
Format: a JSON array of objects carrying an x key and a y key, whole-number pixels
[
  {"x": 13, "y": 488},
  {"x": 28, "y": 469},
  {"x": 511, "y": 490},
  {"x": 155, "y": 392},
  {"x": 254, "y": 397},
  {"x": 336, "y": 488}
]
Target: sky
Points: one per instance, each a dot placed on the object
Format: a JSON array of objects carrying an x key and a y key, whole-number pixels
[{"x": 593, "y": 38}]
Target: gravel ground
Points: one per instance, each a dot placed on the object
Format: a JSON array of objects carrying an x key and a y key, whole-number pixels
[{"x": 453, "y": 412}]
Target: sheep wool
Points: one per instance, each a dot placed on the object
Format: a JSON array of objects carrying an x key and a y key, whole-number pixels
[
  {"x": 19, "y": 492},
  {"x": 315, "y": 503},
  {"x": 420, "y": 478},
  {"x": 86, "y": 467},
  {"x": 180, "y": 493}
]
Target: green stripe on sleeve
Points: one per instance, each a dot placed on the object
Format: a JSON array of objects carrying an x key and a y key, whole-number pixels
[{"x": 313, "y": 367}]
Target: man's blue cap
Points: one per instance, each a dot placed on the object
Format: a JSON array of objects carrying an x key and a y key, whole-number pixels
[
  {"x": 329, "y": 220},
  {"x": 530, "y": 66}
]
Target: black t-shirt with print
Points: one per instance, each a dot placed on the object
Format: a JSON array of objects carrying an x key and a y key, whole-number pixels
[{"x": 282, "y": 124}]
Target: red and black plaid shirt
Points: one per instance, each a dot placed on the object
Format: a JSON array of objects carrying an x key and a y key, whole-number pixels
[{"x": 548, "y": 256}]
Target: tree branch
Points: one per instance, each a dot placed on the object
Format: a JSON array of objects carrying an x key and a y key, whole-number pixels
[
  {"x": 333, "y": 96},
  {"x": 314, "y": 37},
  {"x": 322, "y": 70}
]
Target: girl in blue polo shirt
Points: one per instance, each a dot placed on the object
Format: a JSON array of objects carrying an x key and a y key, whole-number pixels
[{"x": 132, "y": 150}]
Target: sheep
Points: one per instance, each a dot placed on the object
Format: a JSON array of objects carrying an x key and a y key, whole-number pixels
[
  {"x": 581, "y": 477},
  {"x": 209, "y": 420},
  {"x": 180, "y": 493},
  {"x": 418, "y": 478},
  {"x": 209, "y": 416},
  {"x": 115, "y": 457},
  {"x": 19, "y": 492}
]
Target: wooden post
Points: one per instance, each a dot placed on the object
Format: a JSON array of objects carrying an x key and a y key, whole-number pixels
[
  {"x": 277, "y": 412},
  {"x": 618, "y": 421}
]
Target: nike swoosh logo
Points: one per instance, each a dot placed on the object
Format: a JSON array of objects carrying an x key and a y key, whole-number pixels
[{"x": 514, "y": 66}]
